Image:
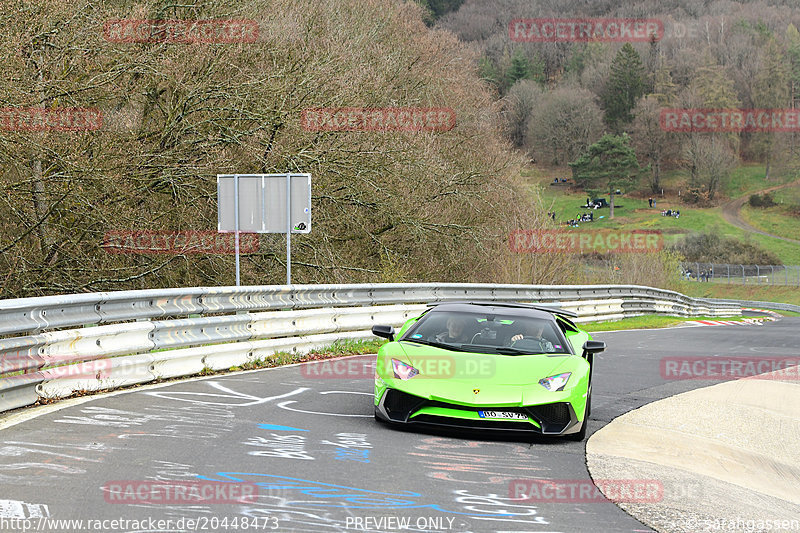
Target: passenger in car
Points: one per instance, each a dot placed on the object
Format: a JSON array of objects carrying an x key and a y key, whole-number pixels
[{"x": 456, "y": 331}]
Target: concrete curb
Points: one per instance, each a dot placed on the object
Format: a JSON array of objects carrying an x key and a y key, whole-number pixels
[{"x": 726, "y": 456}]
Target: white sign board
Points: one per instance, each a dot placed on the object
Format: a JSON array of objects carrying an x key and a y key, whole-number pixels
[{"x": 262, "y": 203}]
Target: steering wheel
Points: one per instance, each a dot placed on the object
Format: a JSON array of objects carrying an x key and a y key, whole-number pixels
[{"x": 528, "y": 342}]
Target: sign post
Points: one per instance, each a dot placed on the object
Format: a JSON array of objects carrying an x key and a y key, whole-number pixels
[
  {"x": 264, "y": 203},
  {"x": 289, "y": 229},
  {"x": 236, "y": 234}
]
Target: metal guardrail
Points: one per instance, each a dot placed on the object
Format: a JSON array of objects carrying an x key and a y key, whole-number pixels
[
  {"x": 742, "y": 274},
  {"x": 121, "y": 344},
  {"x": 755, "y": 304},
  {"x": 52, "y": 312}
]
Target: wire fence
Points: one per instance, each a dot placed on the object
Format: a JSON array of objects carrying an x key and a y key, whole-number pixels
[{"x": 742, "y": 274}]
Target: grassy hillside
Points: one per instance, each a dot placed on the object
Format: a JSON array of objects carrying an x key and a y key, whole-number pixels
[
  {"x": 634, "y": 213},
  {"x": 749, "y": 178},
  {"x": 765, "y": 293},
  {"x": 782, "y": 219}
]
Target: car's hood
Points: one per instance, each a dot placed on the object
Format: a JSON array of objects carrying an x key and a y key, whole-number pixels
[{"x": 455, "y": 376}]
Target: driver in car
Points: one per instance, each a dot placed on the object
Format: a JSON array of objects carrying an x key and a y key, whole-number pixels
[
  {"x": 533, "y": 332},
  {"x": 456, "y": 331}
]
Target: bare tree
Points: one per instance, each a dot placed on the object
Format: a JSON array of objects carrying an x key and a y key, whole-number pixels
[
  {"x": 652, "y": 143},
  {"x": 518, "y": 105},
  {"x": 387, "y": 205},
  {"x": 563, "y": 123},
  {"x": 713, "y": 160}
]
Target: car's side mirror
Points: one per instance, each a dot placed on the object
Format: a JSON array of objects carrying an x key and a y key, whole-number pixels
[
  {"x": 387, "y": 332},
  {"x": 593, "y": 347}
]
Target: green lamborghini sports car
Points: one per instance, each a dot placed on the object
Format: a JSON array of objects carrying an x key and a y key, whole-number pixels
[{"x": 487, "y": 366}]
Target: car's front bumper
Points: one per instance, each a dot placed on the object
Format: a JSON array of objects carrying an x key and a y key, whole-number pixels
[{"x": 555, "y": 419}]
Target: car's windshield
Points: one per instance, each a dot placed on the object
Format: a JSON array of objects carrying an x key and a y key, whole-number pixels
[{"x": 487, "y": 332}]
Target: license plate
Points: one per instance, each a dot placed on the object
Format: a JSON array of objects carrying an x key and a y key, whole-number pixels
[{"x": 502, "y": 414}]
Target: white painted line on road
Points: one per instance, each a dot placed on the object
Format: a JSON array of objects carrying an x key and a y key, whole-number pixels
[
  {"x": 31, "y": 412},
  {"x": 284, "y": 404},
  {"x": 347, "y": 392}
]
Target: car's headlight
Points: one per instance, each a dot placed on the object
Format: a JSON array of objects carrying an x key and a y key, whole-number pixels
[
  {"x": 555, "y": 383},
  {"x": 402, "y": 370}
]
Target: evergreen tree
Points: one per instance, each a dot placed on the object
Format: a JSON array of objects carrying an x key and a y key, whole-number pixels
[
  {"x": 664, "y": 88},
  {"x": 582, "y": 55},
  {"x": 654, "y": 57},
  {"x": 715, "y": 90},
  {"x": 793, "y": 55},
  {"x": 771, "y": 90},
  {"x": 793, "y": 52},
  {"x": 626, "y": 85},
  {"x": 489, "y": 72},
  {"x": 607, "y": 165},
  {"x": 522, "y": 68},
  {"x": 714, "y": 86},
  {"x": 435, "y": 9}
]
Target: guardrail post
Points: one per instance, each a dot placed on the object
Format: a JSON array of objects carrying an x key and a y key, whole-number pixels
[
  {"x": 772, "y": 275},
  {"x": 758, "y": 275}
]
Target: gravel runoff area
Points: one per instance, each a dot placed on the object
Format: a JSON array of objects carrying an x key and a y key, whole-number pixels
[{"x": 725, "y": 455}]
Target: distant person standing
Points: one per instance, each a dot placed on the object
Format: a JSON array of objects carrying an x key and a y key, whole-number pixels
[{"x": 651, "y": 202}]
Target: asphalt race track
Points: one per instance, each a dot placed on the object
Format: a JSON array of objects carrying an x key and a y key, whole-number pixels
[{"x": 322, "y": 462}]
